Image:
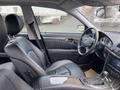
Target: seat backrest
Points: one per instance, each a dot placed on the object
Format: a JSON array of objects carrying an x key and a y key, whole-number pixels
[
  {"x": 27, "y": 58},
  {"x": 3, "y": 41},
  {"x": 3, "y": 35},
  {"x": 10, "y": 81}
]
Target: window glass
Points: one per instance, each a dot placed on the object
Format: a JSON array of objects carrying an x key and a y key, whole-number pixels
[
  {"x": 52, "y": 20},
  {"x": 106, "y": 18},
  {"x": 6, "y": 10}
]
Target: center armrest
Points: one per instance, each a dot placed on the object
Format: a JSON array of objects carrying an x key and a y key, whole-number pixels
[
  {"x": 54, "y": 82},
  {"x": 47, "y": 81}
]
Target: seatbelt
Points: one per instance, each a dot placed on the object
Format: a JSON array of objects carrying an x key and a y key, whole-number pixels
[{"x": 31, "y": 25}]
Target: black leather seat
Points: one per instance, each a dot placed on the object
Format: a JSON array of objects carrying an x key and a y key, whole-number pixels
[
  {"x": 29, "y": 60},
  {"x": 3, "y": 41},
  {"x": 10, "y": 81}
]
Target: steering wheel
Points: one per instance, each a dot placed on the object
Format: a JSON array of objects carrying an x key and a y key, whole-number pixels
[{"x": 88, "y": 41}]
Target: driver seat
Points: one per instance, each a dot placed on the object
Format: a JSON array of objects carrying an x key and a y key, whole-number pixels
[{"x": 29, "y": 60}]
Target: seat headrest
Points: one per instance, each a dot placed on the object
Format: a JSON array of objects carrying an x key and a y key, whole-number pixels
[{"x": 14, "y": 24}]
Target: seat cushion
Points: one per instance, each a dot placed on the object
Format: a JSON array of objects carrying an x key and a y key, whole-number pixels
[
  {"x": 10, "y": 81},
  {"x": 8, "y": 66},
  {"x": 67, "y": 68}
]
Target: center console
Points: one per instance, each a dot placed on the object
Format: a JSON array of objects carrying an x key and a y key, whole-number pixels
[
  {"x": 47, "y": 81},
  {"x": 66, "y": 83},
  {"x": 112, "y": 68},
  {"x": 110, "y": 77},
  {"x": 56, "y": 82},
  {"x": 111, "y": 71},
  {"x": 72, "y": 83}
]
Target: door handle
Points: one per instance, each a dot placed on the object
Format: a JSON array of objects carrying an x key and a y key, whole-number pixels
[{"x": 70, "y": 40}]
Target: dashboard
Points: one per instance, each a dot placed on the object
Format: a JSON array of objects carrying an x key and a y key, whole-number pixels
[
  {"x": 110, "y": 53},
  {"x": 106, "y": 41},
  {"x": 103, "y": 42}
]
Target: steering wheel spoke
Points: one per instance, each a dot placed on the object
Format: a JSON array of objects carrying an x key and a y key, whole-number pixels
[{"x": 87, "y": 49}]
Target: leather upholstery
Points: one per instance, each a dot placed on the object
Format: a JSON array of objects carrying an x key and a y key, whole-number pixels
[
  {"x": 65, "y": 67},
  {"x": 14, "y": 24},
  {"x": 8, "y": 66},
  {"x": 27, "y": 58},
  {"x": 10, "y": 81},
  {"x": 3, "y": 34},
  {"x": 31, "y": 62}
]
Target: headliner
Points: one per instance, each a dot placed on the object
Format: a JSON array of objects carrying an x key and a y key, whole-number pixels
[{"x": 67, "y": 4}]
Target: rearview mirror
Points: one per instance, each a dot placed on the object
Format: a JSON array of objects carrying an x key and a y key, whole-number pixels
[
  {"x": 107, "y": 12},
  {"x": 100, "y": 12}
]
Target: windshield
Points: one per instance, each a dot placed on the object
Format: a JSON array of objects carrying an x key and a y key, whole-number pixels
[{"x": 105, "y": 18}]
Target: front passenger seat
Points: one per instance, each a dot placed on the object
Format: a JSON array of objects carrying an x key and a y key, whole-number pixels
[{"x": 29, "y": 60}]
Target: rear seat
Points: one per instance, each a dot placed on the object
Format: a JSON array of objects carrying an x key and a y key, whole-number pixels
[
  {"x": 10, "y": 81},
  {"x": 8, "y": 66},
  {"x": 3, "y": 41}
]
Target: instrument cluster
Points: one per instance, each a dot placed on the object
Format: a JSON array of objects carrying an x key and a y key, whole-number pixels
[{"x": 106, "y": 42}]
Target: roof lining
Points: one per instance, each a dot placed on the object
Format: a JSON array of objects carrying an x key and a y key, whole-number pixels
[{"x": 68, "y": 4}]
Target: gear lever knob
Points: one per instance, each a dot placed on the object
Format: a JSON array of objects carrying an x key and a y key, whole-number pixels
[
  {"x": 105, "y": 76},
  {"x": 105, "y": 73}
]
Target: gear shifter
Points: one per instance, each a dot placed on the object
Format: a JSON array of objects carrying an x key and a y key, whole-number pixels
[{"x": 104, "y": 76}]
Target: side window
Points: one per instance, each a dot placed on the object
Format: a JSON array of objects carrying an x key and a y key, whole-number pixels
[
  {"x": 6, "y": 10},
  {"x": 56, "y": 21}
]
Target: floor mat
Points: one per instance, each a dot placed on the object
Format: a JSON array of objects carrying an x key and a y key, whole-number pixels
[{"x": 90, "y": 73}]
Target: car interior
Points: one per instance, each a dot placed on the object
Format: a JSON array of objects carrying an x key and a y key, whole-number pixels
[{"x": 56, "y": 61}]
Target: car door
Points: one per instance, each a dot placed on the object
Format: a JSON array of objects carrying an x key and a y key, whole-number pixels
[{"x": 61, "y": 33}]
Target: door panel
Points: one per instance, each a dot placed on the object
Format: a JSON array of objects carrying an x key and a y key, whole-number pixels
[
  {"x": 64, "y": 46},
  {"x": 62, "y": 49},
  {"x": 60, "y": 54},
  {"x": 60, "y": 43}
]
